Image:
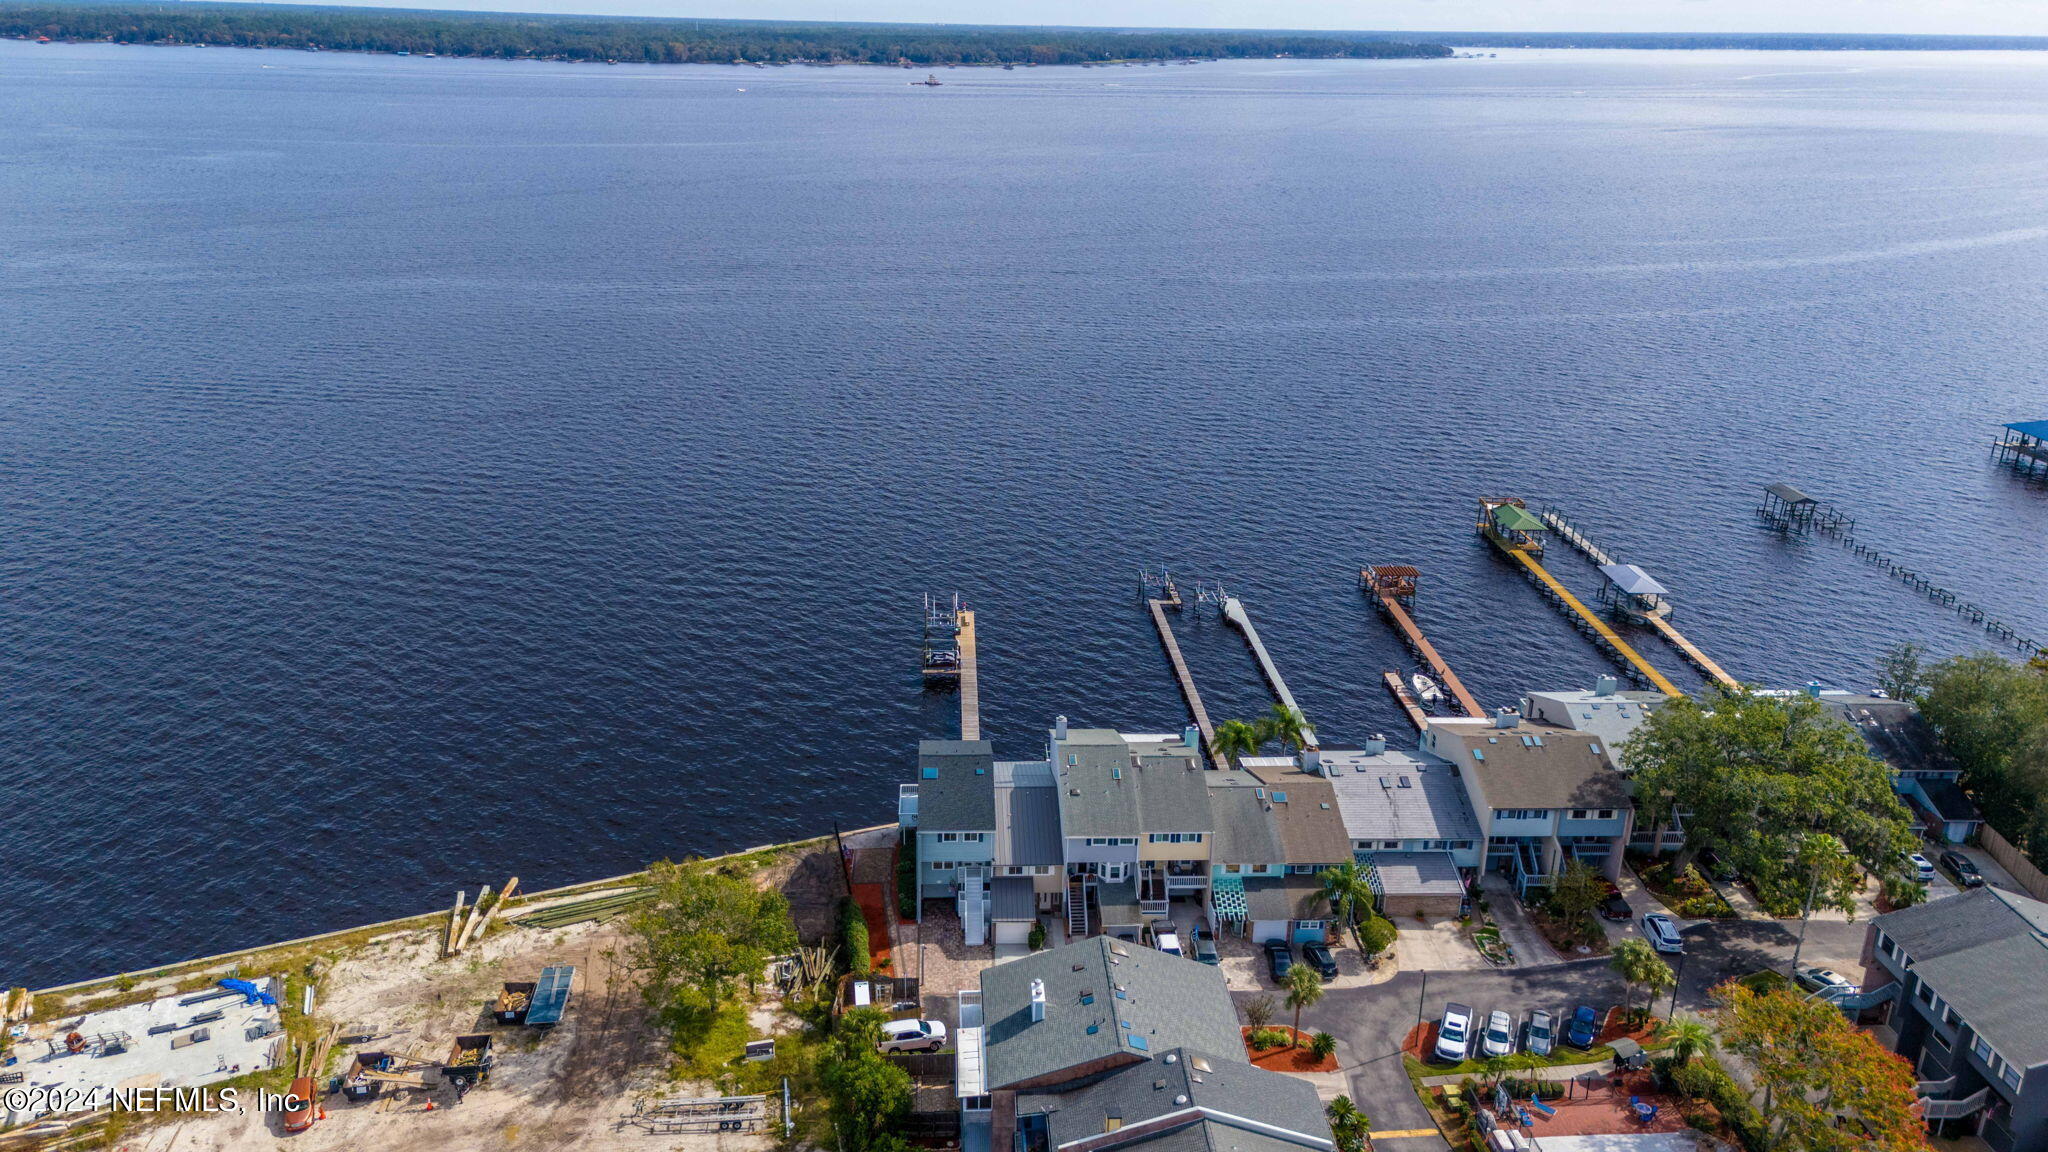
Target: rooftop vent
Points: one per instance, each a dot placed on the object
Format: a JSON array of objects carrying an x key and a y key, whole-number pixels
[
  {"x": 1181, "y": 1099},
  {"x": 1059, "y": 728},
  {"x": 1375, "y": 744},
  {"x": 1172, "y": 1057},
  {"x": 1605, "y": 686},
  {"x": 1506, "y": 717},
  {"x": 1037, "y": 1000}
]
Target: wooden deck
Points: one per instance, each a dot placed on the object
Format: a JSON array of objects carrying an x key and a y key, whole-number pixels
[
  {"x": 1186, "y": 679},
  {"x": 1416, "y": 715},
  {"x": 970, "y": 683},
  {"x": 1692, "y": 653},
  {"x": 1424, "y": 649}
]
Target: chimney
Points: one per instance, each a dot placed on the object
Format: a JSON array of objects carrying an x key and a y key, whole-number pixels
[
  {"x": 1606, "y": 686},
  {"x": 1191, "y": 736},
  {"x": 1375, "y": 744},
  {"x": 1037, "y": 1001},
  {"x": 1059, "y": 728},
  {"x": 1506, "y": 717},
  {"x": 1813, "y": 689}
]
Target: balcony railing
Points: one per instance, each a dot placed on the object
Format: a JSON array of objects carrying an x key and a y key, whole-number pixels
[
  {"x": 1956, "y": 1109},
  {"x": 906, "y": 805}
]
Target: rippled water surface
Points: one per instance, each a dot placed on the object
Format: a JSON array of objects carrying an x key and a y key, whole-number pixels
[{"x": 421, "y": 471}]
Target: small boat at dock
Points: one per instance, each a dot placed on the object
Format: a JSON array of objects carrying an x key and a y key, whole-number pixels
[{"x": 1427, "y": 690}]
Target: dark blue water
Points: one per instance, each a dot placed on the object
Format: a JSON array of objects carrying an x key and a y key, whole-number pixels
[{"x": 420, "y": 471}]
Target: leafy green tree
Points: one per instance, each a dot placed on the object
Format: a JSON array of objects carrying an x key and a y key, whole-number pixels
[
  {"x": 1640, "y": 967},
  {"x": 1577, "y": 889},
  {"x": 1348, "y": 1125},
  {"x": 1376, "y": 935},
  {"x": 868, "y": 1094},
  {"x": 1900, "y": 673},
  {"x": 1991, "y": 716},
  {"x": 1304, "y": 990},
  {"x": 704, "y": 930},
  {"x": 1758, "y": 774}
]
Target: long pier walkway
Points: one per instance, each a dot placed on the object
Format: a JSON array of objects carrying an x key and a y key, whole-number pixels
[
  {"x": 1571, "y": 535},
  {"x": 1389, "y": 584},
  {"x": 1416, "y": 715},
  {"x": 970, "y": 683},
  {"x": 1601, "y": 630},
  {"x": 1233, "y": 611},
  {"x": 1158, "y": 606}
]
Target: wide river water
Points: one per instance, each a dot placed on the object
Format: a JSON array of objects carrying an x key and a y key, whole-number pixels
[{"x": 415, "y": 472}]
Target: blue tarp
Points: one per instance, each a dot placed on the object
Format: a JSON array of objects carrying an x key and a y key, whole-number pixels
[{"x": 251, "y": 994}]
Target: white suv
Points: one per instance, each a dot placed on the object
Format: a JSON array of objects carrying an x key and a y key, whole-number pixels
[
  {"x": 1454, "y": 1033},
  {"x": 912, "y": 1036}
]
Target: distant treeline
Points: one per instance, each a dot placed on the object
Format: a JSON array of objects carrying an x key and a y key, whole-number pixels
[
  {"x": 1780, "y": 41},
  {"x": 512, "y": 35}
]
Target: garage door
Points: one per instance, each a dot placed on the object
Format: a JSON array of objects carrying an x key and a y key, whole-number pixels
[
  {"x": 1264, "y": 930},
  {"x": 1013, "y": 931}
]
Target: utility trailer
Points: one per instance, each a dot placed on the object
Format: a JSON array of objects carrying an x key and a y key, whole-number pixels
[{"x": 513, "y": 1002}]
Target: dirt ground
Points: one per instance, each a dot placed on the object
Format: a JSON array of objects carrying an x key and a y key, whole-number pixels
[{"x": 573, "y": 1086}]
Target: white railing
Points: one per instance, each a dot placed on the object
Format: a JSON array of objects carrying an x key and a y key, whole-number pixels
[
  {"x": 906, "y": 805},
  {"x": 1956, "y": 1109}
]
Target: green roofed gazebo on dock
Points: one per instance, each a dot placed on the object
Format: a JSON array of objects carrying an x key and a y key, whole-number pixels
[{"x": 1515, "y": 518}]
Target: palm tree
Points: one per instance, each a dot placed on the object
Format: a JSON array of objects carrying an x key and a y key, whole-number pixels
[
  {"x": 1688, "y": 1038},
  {"x": 1638, "y": 964},
  {"x": 1304, "y": 989},
  {"x": 1237, "y": 738},
  {"x": 1350, "y": 1126},
  {"x": 1283, "y": 725},
  {"x": 1347, "y": 889}
]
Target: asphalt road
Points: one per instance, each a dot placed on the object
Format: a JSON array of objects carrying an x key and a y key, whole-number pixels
[{"x": 1373, "y": 1021}]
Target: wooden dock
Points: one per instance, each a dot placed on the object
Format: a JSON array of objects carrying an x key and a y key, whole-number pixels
[
  {"x": 1570, "y": 534},
  {"x": 1589, "y": 619},
  {"x": 970, "y": 684},
  {"x": 1158, "y": 608},
  {"x": 1416, "y": 715},
  {"x": 1371, "y": 582},
  {"x": 1234, "y": 611}
]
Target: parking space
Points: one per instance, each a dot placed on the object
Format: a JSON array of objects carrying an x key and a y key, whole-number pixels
[{"x": 1245, "y": 969}]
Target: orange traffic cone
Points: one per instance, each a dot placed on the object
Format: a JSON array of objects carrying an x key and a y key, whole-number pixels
[{"x": 430, "y": 1105}]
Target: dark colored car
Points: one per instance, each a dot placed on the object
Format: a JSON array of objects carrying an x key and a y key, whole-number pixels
[
  {"x": 1584, "y": 1028},
  {"x": 1279, "y": 959},
  {"x": 1205, "y": 946},
  {"x": 1316, "y": 955},
  {"x": 1616, "y": 908},
  {"x": 1965, "y": 869}
]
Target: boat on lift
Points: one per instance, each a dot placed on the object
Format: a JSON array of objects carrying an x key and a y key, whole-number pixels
[{"x": 1427, "y": 690}]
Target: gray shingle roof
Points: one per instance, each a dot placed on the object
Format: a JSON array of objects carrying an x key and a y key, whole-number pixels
[
  {"x": 1244, "y": 833},
  {"x": 1986, "y": 953},
  {"x": 1166, "y": 1002},
  {"x": 1285, "y": 898},
  {"x": 1171, "y": 1082},
  {"x": 1562, "y": 772},
  {"x": 1027, "y": 814},
  {"x": 1096, "y": 792},
  {"x": 956, "y": 786},
  {"x": 1398, "y": 795}
]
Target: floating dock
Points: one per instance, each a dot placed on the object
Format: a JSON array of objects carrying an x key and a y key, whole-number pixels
[
  {"x": 1652, "y": 610},
  {"x": 1391, "y": 586},
  {"x": 1162, "y": 593},
  {"x": 1233, "y": 611},
  {"x": 1511, "y": 527},
  {"x": 970, "y": 684}
]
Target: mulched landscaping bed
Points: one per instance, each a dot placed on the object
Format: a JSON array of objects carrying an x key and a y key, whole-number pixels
[{"x": 1285, "y": 1059}]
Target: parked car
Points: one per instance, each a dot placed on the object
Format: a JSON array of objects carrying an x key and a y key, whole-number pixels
[
  {"x": 912, "y": 1036},
  {"x": 1498, "y": 1037},
  {"x": 1205, "y": 947},
  {"x": 1316, "y": 955},
  {"x": 1584, "y": 1028},
  {"x": 1539, "y": 1033},
  {"x": 1454, "y": 1033},
  {"x": 1827, "y": 982},
  {"x": 1615, "y": 907},
  {"x": 1921, "y": 867},
  {"x": 1966, "y": 870},
  {"x": 1166, "y": 938},
  {"x": 1279, "y": 960},
  {"x": 1662, "y": 933},
  {"x": 298, "y": 1109}
]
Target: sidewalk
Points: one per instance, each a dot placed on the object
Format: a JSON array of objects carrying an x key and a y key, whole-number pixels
[{"x": 1531, "y": 949}]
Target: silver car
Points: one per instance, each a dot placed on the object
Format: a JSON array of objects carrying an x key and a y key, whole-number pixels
[{"x": 1498, "y": 1038}]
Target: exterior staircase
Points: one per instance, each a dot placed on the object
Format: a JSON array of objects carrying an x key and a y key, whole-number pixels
[{"x": 1077, "y": 909}]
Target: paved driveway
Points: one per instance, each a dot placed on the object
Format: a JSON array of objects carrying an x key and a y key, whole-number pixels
[{"x": 1374, "y": 1021}]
